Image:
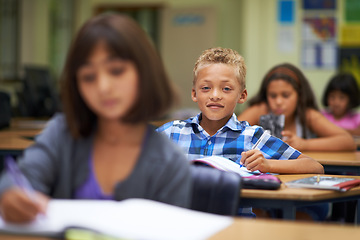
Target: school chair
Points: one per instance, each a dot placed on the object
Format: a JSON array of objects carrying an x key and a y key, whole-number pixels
[
  {"x": 215, "y": 191},
  {"x": 5, "y": 109}
]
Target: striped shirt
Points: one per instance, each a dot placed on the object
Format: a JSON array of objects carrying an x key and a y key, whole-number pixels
[{"x": 229, "y": 141}]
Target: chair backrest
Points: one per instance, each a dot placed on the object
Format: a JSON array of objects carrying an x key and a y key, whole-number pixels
[
  {"x": 5, "y": 109},
  {"x": 39, "y": 96},
  {"x": 215, "y": 191}
]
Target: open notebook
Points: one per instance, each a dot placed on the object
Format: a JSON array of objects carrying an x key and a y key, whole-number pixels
[
  {"x": 128, "y": 219},
  {"x": 252, "y": 180}
]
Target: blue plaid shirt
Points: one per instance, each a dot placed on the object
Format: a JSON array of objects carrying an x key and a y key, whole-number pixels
[{"x": 229, "y": 141}]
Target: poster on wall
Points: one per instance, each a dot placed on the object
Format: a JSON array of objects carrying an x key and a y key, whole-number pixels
[{"x": 319, "y": 46}]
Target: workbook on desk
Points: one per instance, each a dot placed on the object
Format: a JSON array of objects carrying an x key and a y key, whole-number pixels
[
  {"x": 251, "y": 180},
  {"x": 325, "y": 182},
  {"x": 128, "y": 219}
]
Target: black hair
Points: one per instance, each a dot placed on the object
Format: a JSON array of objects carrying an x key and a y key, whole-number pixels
[{"x": 346, "y": 83}]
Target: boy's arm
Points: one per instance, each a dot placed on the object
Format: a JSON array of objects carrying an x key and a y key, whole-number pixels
[
  {"x": 254, "y": 160},
  {"x": 303, "y": 164}
]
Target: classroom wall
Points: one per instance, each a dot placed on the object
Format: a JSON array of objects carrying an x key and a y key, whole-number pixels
[
  {"x": 260, "y": 47},
  {"x": 34, "y": 37},
  {"x": 248, "y": 26}
]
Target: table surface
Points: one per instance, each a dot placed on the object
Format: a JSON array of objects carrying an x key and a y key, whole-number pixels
[
  {"x": 299, "y": 194},
  {"x": 260, "y": 229},
  {"x": 18, "y": 136},
  {"x": 348, "y": 158},
  {"x": 14, "y": 143}
]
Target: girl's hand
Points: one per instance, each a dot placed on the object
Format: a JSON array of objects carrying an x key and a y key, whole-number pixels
[
  {"x": 17, "y": 207},
  {"x": 254, "y": 160},
  {"x": 293, "y": 140}
]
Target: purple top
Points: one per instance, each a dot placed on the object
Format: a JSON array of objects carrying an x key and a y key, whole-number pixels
[{"x": 91, "y": 188}]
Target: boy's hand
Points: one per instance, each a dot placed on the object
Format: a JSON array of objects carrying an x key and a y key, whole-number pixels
[
  {"x": 254, "y": 160},
  {"x": 293, "y": 140},
  {"x": 17, "y": 207}
]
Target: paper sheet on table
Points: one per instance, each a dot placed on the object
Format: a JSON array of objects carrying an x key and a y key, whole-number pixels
[{"x": 130, "y": 219}]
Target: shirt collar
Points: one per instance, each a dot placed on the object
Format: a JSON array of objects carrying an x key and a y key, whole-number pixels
[{"x": 233, "y": 123}]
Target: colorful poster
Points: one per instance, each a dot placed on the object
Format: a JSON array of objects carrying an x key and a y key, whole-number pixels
[{"x": 319, "y": 44}]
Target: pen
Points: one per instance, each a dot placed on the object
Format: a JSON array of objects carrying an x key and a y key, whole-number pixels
[
  {"x": 318, "y": 179},
  {"x": 18, "y": 178},
  {"x": 260, "y": 139}
]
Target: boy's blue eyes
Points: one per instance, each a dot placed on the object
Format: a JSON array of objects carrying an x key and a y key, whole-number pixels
[{"x": 225, "y": 88}]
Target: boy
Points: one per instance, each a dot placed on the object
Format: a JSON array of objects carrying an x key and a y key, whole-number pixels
[{"x": 218, "y": 85}]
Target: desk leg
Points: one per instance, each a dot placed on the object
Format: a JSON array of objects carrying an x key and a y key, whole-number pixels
[{"x": 289, "y": 212}]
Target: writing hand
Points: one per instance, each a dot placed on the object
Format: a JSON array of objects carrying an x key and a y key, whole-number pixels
[
  {"x": 254, "y": 160},
  {"x": 17, "y": 207}
]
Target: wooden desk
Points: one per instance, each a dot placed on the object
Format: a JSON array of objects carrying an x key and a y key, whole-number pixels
[
  {"x": 338, "y": 161},
  {"x": 261, "y": 229},
  {"x": 13, "y": 145},
  {"x": 269, "y": 229},
  {"x": 17, "y": 137},
  {"x": 27, "y": 123},
  {"x": 287, "y": 199}
]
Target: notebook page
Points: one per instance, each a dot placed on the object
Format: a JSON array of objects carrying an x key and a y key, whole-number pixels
[{"x": 132, "y": 219}]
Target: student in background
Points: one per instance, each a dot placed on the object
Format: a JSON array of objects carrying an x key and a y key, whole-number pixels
[
  {"x": 341, "y": 97},
  {"x": 102, "y": 147},
  {"x": 218, "y": 85},
  {"x": 285, "y": 90}
]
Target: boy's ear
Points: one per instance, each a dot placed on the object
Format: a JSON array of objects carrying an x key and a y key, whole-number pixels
[
  {"x": 243, "y": 96},
  {"x": 193, "y": 95}
]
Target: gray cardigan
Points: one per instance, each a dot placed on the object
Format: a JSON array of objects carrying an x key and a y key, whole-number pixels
[{"x": 57, "y": 164}]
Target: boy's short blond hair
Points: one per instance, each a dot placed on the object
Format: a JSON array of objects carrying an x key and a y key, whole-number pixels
[{"x": 225, "y": 56}]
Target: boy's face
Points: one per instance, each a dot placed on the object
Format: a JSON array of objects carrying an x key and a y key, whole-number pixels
[{"x": 217, "y": 91}]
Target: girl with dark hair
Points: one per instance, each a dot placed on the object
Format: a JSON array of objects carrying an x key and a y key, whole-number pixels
[
  {"x": 102, "y": 146},
  {"x": 341, "y": 97},
  {"x": 285, "y": 90}
]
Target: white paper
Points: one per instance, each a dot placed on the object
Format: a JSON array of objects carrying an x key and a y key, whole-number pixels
[
  {"x": 132, "y": 218},
  {"x": 226, "y": 164}
]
